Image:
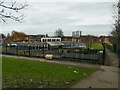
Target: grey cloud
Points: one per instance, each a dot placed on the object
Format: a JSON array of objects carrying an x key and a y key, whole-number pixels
[{"x": 47, "y": 17}]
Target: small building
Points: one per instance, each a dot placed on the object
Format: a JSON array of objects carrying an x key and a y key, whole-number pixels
[
  {"x": 105, "y": 39},
  {"x": 50, "y": 39},
  {"x": 70, "y": 38},
  {"x": 90, "y": 39},
  {"x": 36, "y": 38},
  {"x": 73, "y": 45},
  {"x": 54, "y": 45}
]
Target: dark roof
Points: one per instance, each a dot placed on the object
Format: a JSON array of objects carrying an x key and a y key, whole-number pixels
[
  {"x": 27, "y": 43},
  {"x": 55, "y": 43}
]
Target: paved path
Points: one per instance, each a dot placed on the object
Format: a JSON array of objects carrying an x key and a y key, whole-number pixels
[
  {"x": 111, "y": 58},
  {"x": 106, "y": 77}
]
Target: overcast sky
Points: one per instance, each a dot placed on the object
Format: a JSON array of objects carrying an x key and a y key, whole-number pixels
[{"x": 89, "y": 16}]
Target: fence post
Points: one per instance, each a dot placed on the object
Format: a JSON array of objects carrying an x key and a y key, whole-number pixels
[
  {"x": 29, "y": 49},
  {"x": 43, "y": 50},
  {"x": 103, "y": 53},
  {"x": 17, "y": 49},
  {"x": 6, "y": 48},
  {"x": 60, "y": 50}
]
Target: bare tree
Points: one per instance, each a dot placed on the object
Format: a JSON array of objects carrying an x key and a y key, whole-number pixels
[
  {"x": 116, "y": 29},
  {"x": 17, "y": 36},
  {"x": 59, "y": 33},
  {"x": 14, "y": 7}
]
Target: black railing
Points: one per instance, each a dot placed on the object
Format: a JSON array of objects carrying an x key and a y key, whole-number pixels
[{"x": 75, "y": 54}]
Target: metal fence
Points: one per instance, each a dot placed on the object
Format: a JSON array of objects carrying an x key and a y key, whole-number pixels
[{"x": 58, "y": 53}]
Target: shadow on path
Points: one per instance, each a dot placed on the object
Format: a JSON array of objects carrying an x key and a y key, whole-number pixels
[{"x": 111, "y": 58}]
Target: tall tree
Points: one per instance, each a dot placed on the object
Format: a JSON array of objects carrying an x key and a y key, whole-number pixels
[
  {"x": 18, "y": 36},
  {"x": 59, "y": 33},
  {"x": 6, "y": 10},
  {"x": 2, "y": 36},
  {"x": 116, "y": 32}
]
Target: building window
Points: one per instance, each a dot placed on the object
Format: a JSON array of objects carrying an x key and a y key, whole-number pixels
[
  {"x": 48, "y": 40},
  {"x": 53, "y": 39},
  {"x": 43, "y": 40}
]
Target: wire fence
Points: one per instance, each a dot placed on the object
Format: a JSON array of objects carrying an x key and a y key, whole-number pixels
[{"x": 74, "y": 54}]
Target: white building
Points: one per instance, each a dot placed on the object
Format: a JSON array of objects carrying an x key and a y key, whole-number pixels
[
  {"x": 35, "y": 38},
  {"x": 50, "y": 39}
]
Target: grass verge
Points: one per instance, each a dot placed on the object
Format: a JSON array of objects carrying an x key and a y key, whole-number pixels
[
  {"x": 97, "y": 46},
  {"x": 20, "y": 73}
]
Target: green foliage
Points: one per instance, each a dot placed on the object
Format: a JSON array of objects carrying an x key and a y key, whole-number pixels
[
  {"x": 97, "y": 46},
  {"x": 59, "y": 32},
  {"x": 2, "y": 36},
  {"x": 25, "y": 73}
]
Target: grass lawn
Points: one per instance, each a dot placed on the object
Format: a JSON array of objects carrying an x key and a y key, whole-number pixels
[
  {"x": 97, "y": 46},
  {"x": 34, "y": 74}
]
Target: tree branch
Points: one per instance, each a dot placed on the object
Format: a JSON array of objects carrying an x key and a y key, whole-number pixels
[
  {"x": 17, "y": 18},
  {"x": 13, "y": 6},
  {"x": 4, "y": 15}
]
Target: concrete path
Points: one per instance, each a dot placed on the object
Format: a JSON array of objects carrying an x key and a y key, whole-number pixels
[
  {"x": 106, "y": 77},
  {"x": 111, "y": 58}
]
